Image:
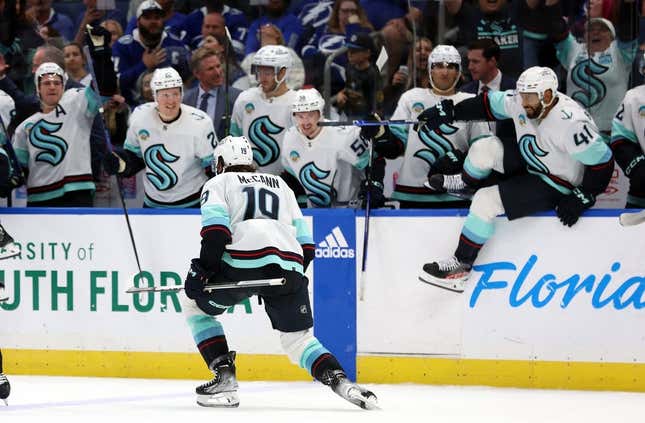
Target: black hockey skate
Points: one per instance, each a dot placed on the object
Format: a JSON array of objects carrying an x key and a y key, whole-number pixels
[
  {"x": 450, "y": 274},
  {"x": 8, "y": 248},
  {"x": 450, "y": 184},
  {"x": 5, "y": 388},
  {"x": 357, "y": 395},
  {"x": 221, "y": 391}
]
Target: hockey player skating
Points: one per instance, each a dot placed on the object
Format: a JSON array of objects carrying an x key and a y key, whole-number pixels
[
  {"x": 426, "y": 147},
  {"x": 567, "y": 161},
  {"x": 252, "y": 228},
  {"x": 173, "y": 141},
  {"x": 628, "y": 141},
  {"x": 263, "y": 113},
  {"x": 328, "y": 162}
]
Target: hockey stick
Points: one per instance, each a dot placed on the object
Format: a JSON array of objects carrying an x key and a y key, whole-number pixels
[
  {"x": 631, "y": 219},
  {"x": 17, "y": 177},
  {"x": 366, "y": 231},
  {"x": 257, "y": 283},
  {"x": 95, "y": 86},
  {"x": 367, "y": 122}
]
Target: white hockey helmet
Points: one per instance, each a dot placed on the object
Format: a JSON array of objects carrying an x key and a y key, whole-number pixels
[
  {"x": 49, "y": 68},
  {"x": 308, "y": 100},
  {"x": 164, "y": 78},
  {"x": 444, "y": 54},
  {"x": 277, "y": 57},
  {"x": 606, "y": 22},
  {"x": 538, "y": 80},
  {"x": 233, "y": 151}
]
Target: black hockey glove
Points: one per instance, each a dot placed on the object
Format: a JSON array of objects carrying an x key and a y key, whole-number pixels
[
  {"x": 372, "y": 132},
  {"x": 437, "y": 115},
  {"x": 571, "y": 206},
  {"x": 635, "y": 171},
  {"x": 196, "y": 279},
  {"x": 113, "y": 164},
  {"x": 377, "y": 199},
  {"x": 450, "y": 163},
  {"x": 97, "y": 39}
]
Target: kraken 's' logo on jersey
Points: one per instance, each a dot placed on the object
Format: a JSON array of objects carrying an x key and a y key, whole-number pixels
[
  {"x": 41, "y": 136},
  {"x": 319, "y": 193},
  {"x": 159, "y": 173},
  {"x": 531, "y": 152},
  {"x": 585, "y": 76},
  {"x": 436, "y": 142},
  {"x": 265, "y": 147}
]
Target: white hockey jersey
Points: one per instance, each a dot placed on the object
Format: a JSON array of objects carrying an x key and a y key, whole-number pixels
[
  {"x": 175, "y": 154},
  {"x": 424, "y": 147},
  {"x": 323, "y": 164},
  {"x": 7, "y": 112},
  {"x": 629, "y": 121},
  {"x": 55, "y": 146},
  {"x": 262, "y": 215},
  {"x": 558, "y": 147},
  {"x": 264, "y": 122},
  {"x": 598, "y": 82}
]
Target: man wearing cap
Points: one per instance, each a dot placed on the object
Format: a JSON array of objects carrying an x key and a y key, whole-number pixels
[
  {"x": 148, "y": 48},
  {"x": 598, "y": 69}
]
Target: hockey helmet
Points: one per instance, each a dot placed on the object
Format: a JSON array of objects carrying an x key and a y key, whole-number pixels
[
  {"x": 165, "y": 78},
  {"x": 538, "y": 80},
  {"x": 444, "y": 54},
  {"x": 49, "y": 68},
  {"x": 233, "y": 151},
  {"x": 308, "y": 100},
  {"x": 277, "y": 57}
]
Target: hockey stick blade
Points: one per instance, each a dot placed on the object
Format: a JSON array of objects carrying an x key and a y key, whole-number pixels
[
  {"x": 631, "y": 219},
  {"x": 258, "y": 283}
]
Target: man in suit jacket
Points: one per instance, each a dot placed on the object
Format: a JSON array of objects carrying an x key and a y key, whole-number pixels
[
  {"x": 211, "y": 94},
  {"x": 483, "y": 59}
]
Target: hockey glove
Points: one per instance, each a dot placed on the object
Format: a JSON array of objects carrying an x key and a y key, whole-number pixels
[
  {"x": 450, "y": 163},
  {"x": 635, "y": 171},
  {"x": 435, "y": 116},
  {"x": 98, "y": 40},
  {"x": 571, "y": 206},
  {"x": 377, "y": 199},
  {"x": 372, "y": 132},
  {"x": 113, "y": 164},
  {"x": 196, "y": 279}
]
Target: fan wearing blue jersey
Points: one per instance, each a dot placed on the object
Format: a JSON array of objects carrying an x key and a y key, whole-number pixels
[{"x": 252, "y": 228}]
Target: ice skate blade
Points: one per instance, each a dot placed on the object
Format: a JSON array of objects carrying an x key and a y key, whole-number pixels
[
  {"x": 221, "y": 400},
  {"x": 365, "y": 402},
  {"x": 453, "y": 285}
]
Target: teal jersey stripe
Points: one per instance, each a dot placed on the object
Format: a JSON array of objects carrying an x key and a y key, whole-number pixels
[
  {"x": 311, "y": 354},
  {"x": 628, "y": 50},
  {"x": 263, "y": 261},
  {"x": 496, "y": 101},
  {"x": 363, "y": 160},
  {"x": 619, "y": 131},
  {"x": 424, "y": 198},
  {"x": 562, "y": 50},
  {"x": 59, "y": 192},
  {"x": 596, "y": 153},
  {"x": 215, "y": 214},
  {"x": 93, "y": 101},
  {"x": 474, "y": 171},
  {"x": 474, "y": 140},
  {"x": 303, "y": 234},
  {"x": 289, "y": 170},
  {"x": 22, "y": 156},
  {"x": 236, "y": 131},
  {"x": 203, "y": 327},
  {"x": 564, "y": 190},
  {"x": 401, "y": 132},
  {"x": 133, "y": 148},
  {"x": 477, "y": 229},
  {"x": 207, "y": 161}
]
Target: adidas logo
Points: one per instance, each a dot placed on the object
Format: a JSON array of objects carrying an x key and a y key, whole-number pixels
[{"x": 334, "y": 246}]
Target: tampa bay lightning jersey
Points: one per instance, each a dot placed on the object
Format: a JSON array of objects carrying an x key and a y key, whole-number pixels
[
  {"x": 175, "y": 154},
  {"x": 262, "y": 216},
  {"x": 55, "y": 146},
  {"x": 320, "y": 163},
  {"x": 424, "y": 147},
  {"x": 629, "y": 121},
  {"x": 264, "y": 121},
  {"x": 558, "y": 147},
  {"x": 598, "y": 82}
]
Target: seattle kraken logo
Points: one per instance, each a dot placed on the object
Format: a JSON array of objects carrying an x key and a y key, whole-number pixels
[
  {"x": 160, "y": 174},
  {"x": 266, "y": 149},
  {"x": 592, "y": 90},
  {"x": 319, "y": 193},
  {"x": 436, "y": 141},
  {"x": 41, "y": 136},
  {"x": 531, "y": 152}
]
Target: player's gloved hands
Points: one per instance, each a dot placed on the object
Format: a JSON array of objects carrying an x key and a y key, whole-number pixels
[
  {"x": 377, "y": 199},
  {"x": 113, "y": 164},
  {"x": 435, "y": 116},
  {"x": 372, "y": 132},
  {"x": 97, "y": 38},
  {"x": 196, "y": 279},
  {"x": 450, "y": 163},
  {"x": 571, "y": 206},
  {"x": 635, "y": 171}
]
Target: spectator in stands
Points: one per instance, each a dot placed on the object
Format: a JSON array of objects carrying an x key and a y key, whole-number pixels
[
  {"x": 114, "y": 28},
  {"x": 398, "y": 39},
  {"x": 211, "y": 95},
  {"x": 274, "y": 12},
  {"x": 173, "y": 21},
  {"x": 94, "y": 16},
  {"x": 149, "y": 47},
  {"x": 214, "y": 24},
  {"x": 222, "y": 46},
  {"x": 144, "y": 91},
  {"x": 51, "y": 36},
  {"x": 42, "y": 14},
  {"x": 75, "y": 65},
  {"x": 494, "y": 19}
]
